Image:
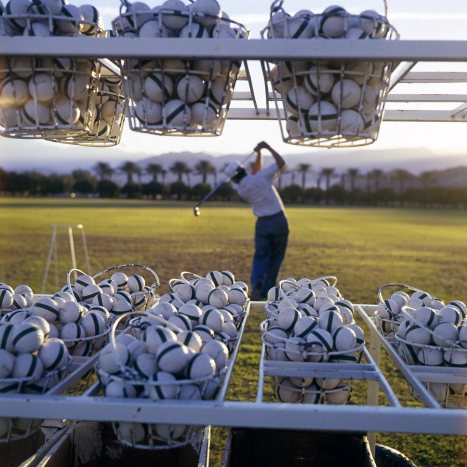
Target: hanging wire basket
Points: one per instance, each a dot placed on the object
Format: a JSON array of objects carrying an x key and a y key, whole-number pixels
[
  {"x": 177, "y": 96},
  {"x": 328, "y": 103},
  {"x": 156, "y": 436},
  {"x": 108, "y": 116},
  {"x": 44, "y": 96}
]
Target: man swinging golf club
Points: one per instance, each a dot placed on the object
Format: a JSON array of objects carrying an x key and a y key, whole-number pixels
[{"x": 272, "y": 230}]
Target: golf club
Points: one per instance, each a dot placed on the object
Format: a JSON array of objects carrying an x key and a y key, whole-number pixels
[{"x": 196, "y": 210}]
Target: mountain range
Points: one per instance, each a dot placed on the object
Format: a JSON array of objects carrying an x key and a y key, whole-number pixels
[{"x": 414, "y": 160}]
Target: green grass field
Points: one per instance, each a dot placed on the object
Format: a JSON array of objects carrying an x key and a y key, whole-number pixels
[{"x": 364, "y": 248}]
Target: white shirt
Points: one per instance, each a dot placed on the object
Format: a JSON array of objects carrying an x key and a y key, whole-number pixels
[{"x": 260, "y": 191}]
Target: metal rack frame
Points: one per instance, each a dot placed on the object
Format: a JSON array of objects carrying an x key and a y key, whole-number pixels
[
  {"x": 344, "y": 418},
  {"x": 393, "y": 418},
  {"x": 406, "y": 53}
]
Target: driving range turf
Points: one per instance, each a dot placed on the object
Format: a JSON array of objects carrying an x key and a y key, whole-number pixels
[{"x": 363, "y": 247}]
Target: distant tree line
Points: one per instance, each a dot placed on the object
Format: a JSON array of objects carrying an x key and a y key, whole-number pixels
[{"x": 300, "y": 184}]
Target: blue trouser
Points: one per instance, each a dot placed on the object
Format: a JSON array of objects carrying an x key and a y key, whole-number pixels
[{"x": 271, "y": 234}]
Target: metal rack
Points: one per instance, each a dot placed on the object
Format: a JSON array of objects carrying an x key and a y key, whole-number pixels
[
  {"x": 344, "y": 418},
  {"x": 406, "y": 53},
  {"x": 378, "y": 418}
]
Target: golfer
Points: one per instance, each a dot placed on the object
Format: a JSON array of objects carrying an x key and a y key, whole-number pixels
[{"x": 272, "y": 229}]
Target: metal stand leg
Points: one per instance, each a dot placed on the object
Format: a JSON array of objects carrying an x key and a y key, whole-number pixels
[
  {"x": 49, "y": 256},
  {"x": 372, "y": 393},
  {"x": 53, "y": 252}
]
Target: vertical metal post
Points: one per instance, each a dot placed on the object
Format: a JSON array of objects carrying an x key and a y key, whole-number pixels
[
  {"x": 49, "y": 257},
  {"x": 56, "y": 264},
  {"x": 72, "y": 248},
  {"x": 85, "y": 248},
  {"x": 372, "y": 392},
  {"x": 53, "y": 252}
]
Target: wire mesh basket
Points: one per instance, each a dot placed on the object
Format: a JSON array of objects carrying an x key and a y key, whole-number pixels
[
  {"x": 388, "y": 313},
  {"x": 309, "y": 323},
  {"x": 107, "y": 117},
  {"x": 238, "y": 314},
  {"x": 39, "y": 96},
  {"x": 177, "y": 96},
  {"x": 166, "y": 378},
  {"x": 329, "y": 103},
  {"x": 142, "y": 287}
]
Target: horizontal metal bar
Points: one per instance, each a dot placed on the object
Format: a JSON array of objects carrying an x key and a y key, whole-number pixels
[
  {"x": 422, "y": 116},
  {"x": 410, "y": 97},
  {"x": 435, "y": 77},
  {"x": 240, "y": 414},
  {"x": 426, "y": 98},
  {"x": 242, "y": 96},
  {"x": 252, "y": 49},
  {"x": 390, "y": 115}
]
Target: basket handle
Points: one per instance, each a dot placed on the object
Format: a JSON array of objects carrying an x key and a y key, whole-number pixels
[
  {"x": 68, "y": 279},
  {"x": 154, "y": 285},
  {"x": 326, "y": 278},
  {"x": 405, "y": 286},
  {"x": 298, "y": 286},
  {"x": 192, "y": 275},
  {"x": 133, "y": 315}
]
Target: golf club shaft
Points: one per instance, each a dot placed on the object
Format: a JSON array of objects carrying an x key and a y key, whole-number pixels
[
  {"x": 221, "y": 183},
  {"x": 211, "y": 193}
]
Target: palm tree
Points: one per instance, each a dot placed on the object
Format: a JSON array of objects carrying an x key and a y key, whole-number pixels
[
  {"x": 369, "y": 178},
  {"x": 327, "y": 173},
  {"x": 154, "y": 170},
  {"x": 164, "y": 174},
  {"x": 204, "y": 168},
  {"x": 319, "y": 179},
  {"x": 180, "y": 169},
  {"x": 376, "y": 175},
  {"x": 427, "y": 179},
  {"x": 292, "y": 173},
  {"x": 103, "y": 170},
  {"x": 353, "y": 175},
  {"x": 130, "y": 168},
  {"x": 401, "y": 176},
  {"x": 343, "y": 178},
  {"x": 303, "y": 169}
]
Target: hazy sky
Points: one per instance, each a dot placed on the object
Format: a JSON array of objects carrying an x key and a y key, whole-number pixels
[{"x": 414, "y": 19}]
